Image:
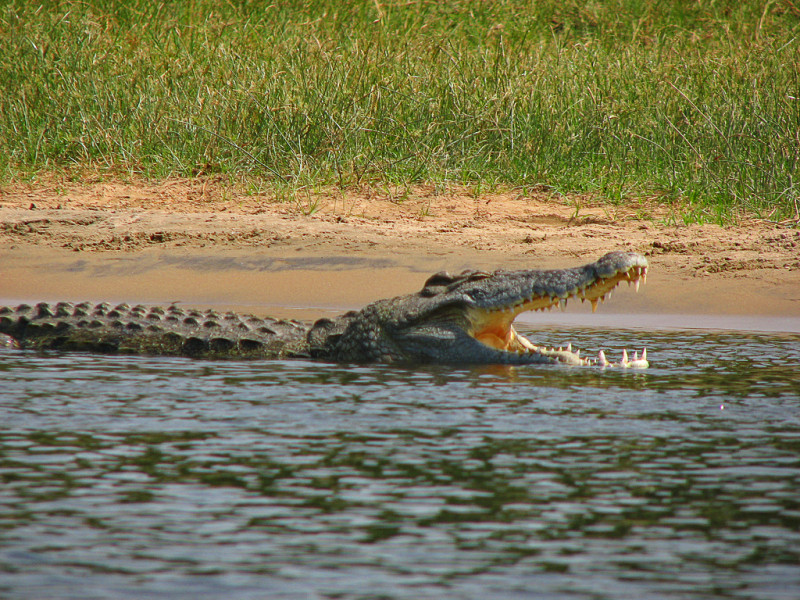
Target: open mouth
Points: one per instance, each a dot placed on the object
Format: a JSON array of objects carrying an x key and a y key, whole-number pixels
[{"x": 494, "y": 327}]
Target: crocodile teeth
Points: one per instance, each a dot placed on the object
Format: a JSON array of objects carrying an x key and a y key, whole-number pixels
[{"x": 637, "y": 362}]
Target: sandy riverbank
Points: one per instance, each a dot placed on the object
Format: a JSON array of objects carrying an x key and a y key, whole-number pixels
[{"x": 200, "y": 243}]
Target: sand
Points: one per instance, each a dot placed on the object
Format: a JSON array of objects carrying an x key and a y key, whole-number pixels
[{"x": 204, "y": 243}]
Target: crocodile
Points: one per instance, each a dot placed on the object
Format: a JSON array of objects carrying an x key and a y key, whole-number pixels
[{"x": 464, "y": 318}]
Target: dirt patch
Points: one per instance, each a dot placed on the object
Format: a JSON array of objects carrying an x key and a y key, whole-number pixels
[{"x": 754, "y": 267}]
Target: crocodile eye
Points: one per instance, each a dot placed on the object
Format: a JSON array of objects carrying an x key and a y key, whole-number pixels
[
  {"x": 439, "y": 279},
  {"x": 443, "y": 281}
]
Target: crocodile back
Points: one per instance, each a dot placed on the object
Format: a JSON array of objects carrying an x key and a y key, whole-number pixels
[{"x": 156, "y": 330}]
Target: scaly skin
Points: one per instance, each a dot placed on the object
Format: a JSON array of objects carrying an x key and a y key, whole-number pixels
[
  {"x": 153, "y": 330},
  {"x": 465, "y": 318}
]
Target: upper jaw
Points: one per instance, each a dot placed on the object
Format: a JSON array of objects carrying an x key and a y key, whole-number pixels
[{"x": 520, "y": 291}]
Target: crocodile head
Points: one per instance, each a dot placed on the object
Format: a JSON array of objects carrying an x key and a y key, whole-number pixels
[{"x": 468, "y": 318}]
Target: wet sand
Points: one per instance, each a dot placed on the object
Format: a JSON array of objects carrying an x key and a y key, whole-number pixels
[{"x": 308, "y": 287}]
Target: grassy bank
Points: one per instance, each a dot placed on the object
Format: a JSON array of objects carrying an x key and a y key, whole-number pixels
[{"x": 697, "y": 101}]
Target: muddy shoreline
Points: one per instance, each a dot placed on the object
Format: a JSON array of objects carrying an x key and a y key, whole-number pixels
[{"x": 201, "y": 244}]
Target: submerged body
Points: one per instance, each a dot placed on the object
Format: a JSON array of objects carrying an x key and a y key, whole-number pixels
[{"x": 465, "y": 318}]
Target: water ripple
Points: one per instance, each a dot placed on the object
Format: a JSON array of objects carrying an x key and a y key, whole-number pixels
[{"x": 138, "y": 477}]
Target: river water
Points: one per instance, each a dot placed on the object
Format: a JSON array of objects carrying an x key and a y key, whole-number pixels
[{"x": 131, "y": 477}]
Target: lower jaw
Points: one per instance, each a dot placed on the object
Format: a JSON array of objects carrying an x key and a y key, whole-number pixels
[{"x": 525, "y": 349}]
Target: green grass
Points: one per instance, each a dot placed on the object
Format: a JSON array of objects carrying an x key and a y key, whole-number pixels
[{"x": 696, "y": 102}]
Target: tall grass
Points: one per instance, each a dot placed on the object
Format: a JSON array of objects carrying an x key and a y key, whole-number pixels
[{"x": 696, "y": 101}]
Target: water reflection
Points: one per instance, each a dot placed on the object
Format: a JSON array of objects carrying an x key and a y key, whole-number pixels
[{"x": 136, "y": 477}]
